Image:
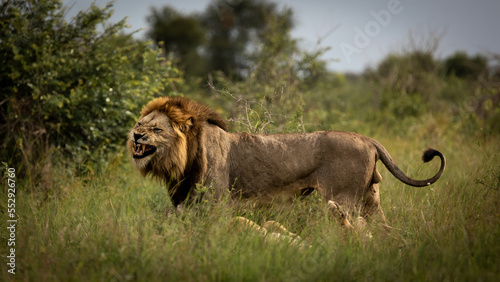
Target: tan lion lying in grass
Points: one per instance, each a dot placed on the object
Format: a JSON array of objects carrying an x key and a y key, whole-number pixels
[{"x": 271, "y": 231}]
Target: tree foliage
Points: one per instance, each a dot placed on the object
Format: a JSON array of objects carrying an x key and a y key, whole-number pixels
[
  {"x": 463, "y": 66},
  {"x": 71, "y": 86},
  {"x": 233, "y": 26},
  {"x": 219, "y": 38},
  {"x": 181, "y": 35},
  {"x": 406, "y": 83}
]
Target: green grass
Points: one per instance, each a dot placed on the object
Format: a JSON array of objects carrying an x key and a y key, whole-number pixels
[{"x": 116, "y": 226}]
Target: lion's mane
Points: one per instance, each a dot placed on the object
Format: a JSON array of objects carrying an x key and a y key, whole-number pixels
[{"x": 184, "y": 164}]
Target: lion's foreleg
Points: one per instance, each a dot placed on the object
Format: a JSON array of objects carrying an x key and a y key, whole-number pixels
[{"x": 339, "y": 215}]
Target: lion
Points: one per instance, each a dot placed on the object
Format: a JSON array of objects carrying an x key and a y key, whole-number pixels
[
  {"x": 185, "y": 144},
  {"x": 271, "y": 231}
]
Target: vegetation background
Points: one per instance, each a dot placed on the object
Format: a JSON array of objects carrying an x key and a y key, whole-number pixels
[{"x": 71, "y": 90}]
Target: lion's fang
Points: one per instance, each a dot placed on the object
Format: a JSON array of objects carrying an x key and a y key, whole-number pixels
[{"x": 137, "y": 148}]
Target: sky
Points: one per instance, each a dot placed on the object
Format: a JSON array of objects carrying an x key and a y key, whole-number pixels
[{"x": 358, "y": 33}]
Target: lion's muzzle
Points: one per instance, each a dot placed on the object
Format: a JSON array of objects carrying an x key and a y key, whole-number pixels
[{"x": 143, "y": 150}]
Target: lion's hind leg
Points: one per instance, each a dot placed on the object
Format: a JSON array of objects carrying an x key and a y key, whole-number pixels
[
  {"x": 371, "y": 206},
  {"x": 371, "y": 200}
]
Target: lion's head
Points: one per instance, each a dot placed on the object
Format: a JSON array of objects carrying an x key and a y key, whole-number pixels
[{"x": 164, "y": 141}]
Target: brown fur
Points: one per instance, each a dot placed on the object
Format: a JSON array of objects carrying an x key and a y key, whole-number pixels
[{"x": 194, "y": 148}]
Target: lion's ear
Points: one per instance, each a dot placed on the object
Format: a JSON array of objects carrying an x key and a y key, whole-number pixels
[{"x": 185, "y": 125}]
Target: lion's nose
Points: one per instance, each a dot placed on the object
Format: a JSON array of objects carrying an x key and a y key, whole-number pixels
[{"x": 138, "y": 136}]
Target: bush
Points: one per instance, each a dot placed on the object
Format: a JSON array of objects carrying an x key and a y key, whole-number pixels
[
  {"x": 407, "y": 84},
  {"x": 72, "y": 87}
]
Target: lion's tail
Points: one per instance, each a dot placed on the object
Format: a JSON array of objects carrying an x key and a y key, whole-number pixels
[{"x": 428, "y": 155}]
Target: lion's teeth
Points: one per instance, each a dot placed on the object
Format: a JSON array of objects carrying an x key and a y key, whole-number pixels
[{"x": 138, "y": 148}]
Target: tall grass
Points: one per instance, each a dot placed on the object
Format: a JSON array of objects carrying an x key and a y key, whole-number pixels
[{"x": 119, "y": 226}]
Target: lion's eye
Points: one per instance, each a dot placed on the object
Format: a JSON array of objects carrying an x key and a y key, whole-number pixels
[
  {"x": 139, "y": 124},
  {"x": 157, "y": 130}
]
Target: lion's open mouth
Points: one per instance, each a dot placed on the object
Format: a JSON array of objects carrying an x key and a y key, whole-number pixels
[{"x": 143, "y": 150}]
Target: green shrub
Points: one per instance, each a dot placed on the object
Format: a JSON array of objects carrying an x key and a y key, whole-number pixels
[
  {"x": 406, "y": 84},
  {"x": 73, "y": 87}
]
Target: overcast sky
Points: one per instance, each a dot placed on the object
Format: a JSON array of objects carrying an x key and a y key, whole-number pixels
[{"x": 359, "y": 32}]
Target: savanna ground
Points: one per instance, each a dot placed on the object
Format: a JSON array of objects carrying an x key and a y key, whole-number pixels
[{"x": 84, "y": 214}]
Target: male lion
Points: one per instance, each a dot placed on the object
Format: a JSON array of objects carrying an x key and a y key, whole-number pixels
[{"x": 186, "y": 144}]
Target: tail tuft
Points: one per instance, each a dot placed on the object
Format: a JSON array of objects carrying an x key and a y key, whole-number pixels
[{"x": 429, "y": 154}]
